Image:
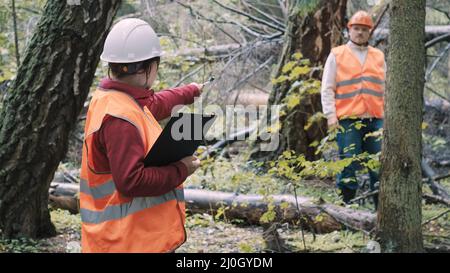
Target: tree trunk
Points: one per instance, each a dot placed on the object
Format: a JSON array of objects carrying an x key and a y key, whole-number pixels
[
  {"x": 399, "y": 217},
  {"x": 42, "y": 107},
  {"x": 312, "y": 33}
]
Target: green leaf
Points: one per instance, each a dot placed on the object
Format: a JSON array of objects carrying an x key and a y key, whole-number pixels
[
  {"x": 316, "y": 118},
  {"x": 284, "y": 205},
  {"x": 245, "y": 248},
  {"x": 298, "y": 71},
  {"x": 314, "y": 144},
  {"x": 297, "y": 56},
  {"x": 287, "y": 154},
  {"x": 269, "y": 215},
  {"x": 305, "y": 62},
  {"x": 292, "y": 101},
  {"x": 319, "y": 218},
  {"x": 280, "y": 79},
  {"x": 288, "y": 67}
]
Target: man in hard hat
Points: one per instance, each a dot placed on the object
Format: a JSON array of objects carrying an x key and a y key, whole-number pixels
[
  {"x": 125, "y": 206},
  {"x": 352, "y": 91}
]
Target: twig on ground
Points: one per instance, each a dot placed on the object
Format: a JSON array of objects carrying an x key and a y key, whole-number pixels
[{"x": 435, "y": 217}]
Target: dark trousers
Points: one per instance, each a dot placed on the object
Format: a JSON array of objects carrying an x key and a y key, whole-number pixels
[{"x": 352, "y": 141}]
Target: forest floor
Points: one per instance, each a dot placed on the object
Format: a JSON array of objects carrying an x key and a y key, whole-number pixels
[
  {"x": 230, "y": 172},
  {"x": 216, "y": 234}
]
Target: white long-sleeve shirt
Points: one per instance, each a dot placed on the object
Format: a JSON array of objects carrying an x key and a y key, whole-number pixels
[{"x": 328, "y": 90}]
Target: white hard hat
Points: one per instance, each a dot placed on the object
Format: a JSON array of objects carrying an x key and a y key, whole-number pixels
[{"x": 129, "y": 41}]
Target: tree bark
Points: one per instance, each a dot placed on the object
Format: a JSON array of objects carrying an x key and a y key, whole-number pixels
[
  {"x": 399, "y": 217},
  {"x": 42, "y": 107},
  {"x": 313, "y": 34}
]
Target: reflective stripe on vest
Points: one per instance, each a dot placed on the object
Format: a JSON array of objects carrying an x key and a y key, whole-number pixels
[
  {"x": 359, "y": 88},
  {"x": 113, "y": 212},
  {"x": 359, "y": 80},
  {"x": 360, "y": 91},
  {"x": 98, "y": 192}
]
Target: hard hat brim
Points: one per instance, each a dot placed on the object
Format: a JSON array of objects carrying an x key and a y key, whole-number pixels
[
  {"x": 360, "y": 24},
  {"x": 112, "y": 59}
]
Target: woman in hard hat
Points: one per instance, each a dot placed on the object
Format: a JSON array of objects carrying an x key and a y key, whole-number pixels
[
  {"x": 125, "y": 206},
  {"x": 353, "y": 86}
]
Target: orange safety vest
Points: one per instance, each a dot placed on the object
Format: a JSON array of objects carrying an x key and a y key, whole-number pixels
[
  {"x": 112, "y": 222},
  {"x": 359, "y": 88}
]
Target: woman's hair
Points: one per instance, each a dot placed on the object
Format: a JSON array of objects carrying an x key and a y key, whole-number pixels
[{"x": 121, "y": 70}]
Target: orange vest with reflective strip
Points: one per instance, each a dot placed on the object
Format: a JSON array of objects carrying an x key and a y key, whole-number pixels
[
  {"x": 359, "y": 88},
  {"x": 112, "y": 222}
]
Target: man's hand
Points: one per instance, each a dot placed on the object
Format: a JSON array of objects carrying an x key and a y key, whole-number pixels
[
  {"x": 333, "y": 123},
  {"x": 192, "y": 163}
]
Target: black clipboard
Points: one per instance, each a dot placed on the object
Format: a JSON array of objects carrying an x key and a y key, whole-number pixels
[{"x": 180, "y": 138}]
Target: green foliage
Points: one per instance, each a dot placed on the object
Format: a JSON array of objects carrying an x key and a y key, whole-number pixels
[
  {"x": 246, "y": 248},
  {"x": 269, "y": 215},
  {"x": 296, "y": 168},
  {"x": 288, "y": 170},
  {"x": 7, "y": 60},
  {"x": 294, "y": 69},
  {"x": 292, "y": 101},
  {"x": 64, "y": 221},
  {"x": 358, "y": 125},
  {"x": 288, "y": 67},
  {"x": 27, "y": 15},
  {"x": 436, "y": 143},
  {"x": 221, "y": 213},
  {"x": 306, "y": 6},
  {"x": 127, "y": 7},
  {"x": 296, "y": 74},
  {"x": 317, "y": 117},
  {"x": 198, "y": 220},
  {"x": 20, "y": 245}
]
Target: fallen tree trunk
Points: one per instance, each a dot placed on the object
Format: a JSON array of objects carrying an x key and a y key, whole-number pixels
[
  {"x": 64, "y": 196},
  {"x": 320, "y": 218},
  {"x": 437, "y": 248},
  {"x": 217, "y": 51},
  {"x": 433, "y": 199},
  {"x": 435, "y": 187},
  {"x": 239, "y": 136},
  {"x": 431, "y": 32}
]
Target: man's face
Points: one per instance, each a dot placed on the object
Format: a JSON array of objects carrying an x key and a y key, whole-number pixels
[{"x": 359, "y": 34}]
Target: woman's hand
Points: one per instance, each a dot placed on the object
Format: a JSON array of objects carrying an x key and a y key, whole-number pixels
[
  {"x": 199, "y": 86},
  {"x": 192, "y": 163}
]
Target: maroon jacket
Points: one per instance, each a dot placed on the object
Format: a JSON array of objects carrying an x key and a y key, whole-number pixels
[{"x": 118, "y": 148}]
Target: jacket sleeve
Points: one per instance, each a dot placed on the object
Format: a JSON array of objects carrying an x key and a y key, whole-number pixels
[
  {"x": 162, "y": 102},
  {"x": 125, "y": 151},
  {"x": 328, "y": 89}
]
